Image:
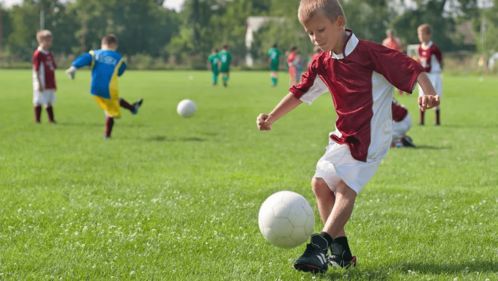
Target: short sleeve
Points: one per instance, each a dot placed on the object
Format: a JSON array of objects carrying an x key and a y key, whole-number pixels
[
  {"x": 311, "y": 86},
  {"x": 400, "y": 70},
  {"x": 36, "y": 60}
]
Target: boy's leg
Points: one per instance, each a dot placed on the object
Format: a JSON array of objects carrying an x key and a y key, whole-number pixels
[
  {"x": 37, "y": 109},
  {"x": 422, "y": 118},
  {"x": 274, "y": 78},
  {"x": 133, "y": 108},
  {"x": 215, "y": 79},
  {"x": 315, "y": 258},
  {"x": 438, "y": 116},
  {"x": 124, "y": 104},
  {"x": 225, "y": 78},
  {"x": 109, "y": 123},
  {"x": 50, "y": 113},
  {"x": 334, "y": 226}
]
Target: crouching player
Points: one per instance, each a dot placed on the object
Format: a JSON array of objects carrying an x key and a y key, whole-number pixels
[
  {"x": 107, "y": 65},
  {"x": 360, "y": 75},
  {"x": 402, "y": 122}
]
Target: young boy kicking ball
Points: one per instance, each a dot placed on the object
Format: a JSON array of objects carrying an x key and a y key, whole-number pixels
[
  {"x": 360, "y": 75},
  {"x": 107, "y": 65}
]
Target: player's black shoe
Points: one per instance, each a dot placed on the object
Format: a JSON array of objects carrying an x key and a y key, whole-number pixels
[
  {"x": 337, "y": 261},
  {"x": 407, "y": 141},
  {"x": 137, "y": 106},
  {"x": 314, "y": 258}
]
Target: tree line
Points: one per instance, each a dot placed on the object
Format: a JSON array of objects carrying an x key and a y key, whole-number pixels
[{"x": 146, "y": 28}]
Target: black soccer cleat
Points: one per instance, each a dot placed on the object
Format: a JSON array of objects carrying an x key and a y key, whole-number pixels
[
  {"x": 407, "y": 141},
  {"x": 137, "y": 106},
  {"x": 314, "y": 258},
  {"x": 338, "y": 262}
]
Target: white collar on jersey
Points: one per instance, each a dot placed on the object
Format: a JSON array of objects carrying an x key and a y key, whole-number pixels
[
  {"x": 351, "y": 43},
  {"x": 425, "y": 47}
]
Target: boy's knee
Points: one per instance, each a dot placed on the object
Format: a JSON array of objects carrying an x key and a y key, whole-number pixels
[{"x": 319, "y": 186}]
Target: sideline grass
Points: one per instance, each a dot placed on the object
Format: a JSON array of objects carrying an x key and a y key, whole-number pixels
[{"x": 177, "y": 199}]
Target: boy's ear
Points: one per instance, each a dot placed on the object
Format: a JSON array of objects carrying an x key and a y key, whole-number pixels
[{"x": 341, "y": 21}]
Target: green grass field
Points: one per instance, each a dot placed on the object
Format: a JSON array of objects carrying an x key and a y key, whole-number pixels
[{"x": 177, "y": 199}]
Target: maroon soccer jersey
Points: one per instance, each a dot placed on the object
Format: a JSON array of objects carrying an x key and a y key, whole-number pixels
[
  {"x": 360, "y": 81},
  {"x": 430, "y": 58},
  {"x": 44, "y": 65},
  {"x": 399, "y": 111}
]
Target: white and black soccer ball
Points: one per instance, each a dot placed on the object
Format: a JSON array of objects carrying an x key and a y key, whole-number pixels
[
  {"x": 286, "y": 219},
  {"x": 186, "y": 108}
]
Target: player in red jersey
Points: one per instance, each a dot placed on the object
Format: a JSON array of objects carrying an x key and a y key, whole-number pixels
[
  {"x": 431, "y": 59},
  {"x": 360, "y": 76},
  {"x": 44, "y": 85},
  {"x": 402, "y": 122}
]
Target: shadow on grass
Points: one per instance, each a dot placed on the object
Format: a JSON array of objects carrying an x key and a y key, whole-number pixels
[
  {"x": 79, "y": 124},
  {"x": 179, "y": 139},
  {"x": 432, "y": 147},
  {"x": 382, "y": 273},
  {"x": 355, "y": 274},
  {"x": 462, "y": 267}
]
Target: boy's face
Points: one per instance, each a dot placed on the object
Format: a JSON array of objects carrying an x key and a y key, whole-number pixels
[
  {"x": 423, "y": 36},
  {"x": 46, "y": 42},
  {"x": 323, "y": 32}
]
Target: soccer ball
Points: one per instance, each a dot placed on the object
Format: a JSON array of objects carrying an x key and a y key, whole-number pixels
[
  {"x": 186, "y": 108},
  {"x": 286, "y": 219}
]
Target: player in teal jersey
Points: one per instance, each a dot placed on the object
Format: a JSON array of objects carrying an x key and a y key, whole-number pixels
[
  {"x": 226, "y": 59},
  {"x": 274, "y": 60},
  {"x": 214, "y": 65}
]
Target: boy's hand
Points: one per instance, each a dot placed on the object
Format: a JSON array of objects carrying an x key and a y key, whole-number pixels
[
  {"x": 427, "y": 102},
  {"x": 71, "y": 72},
  {"x": 263, "y": 122}
]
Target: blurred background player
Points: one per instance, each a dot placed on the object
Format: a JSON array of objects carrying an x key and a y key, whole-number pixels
[
  {"x": 214, "y": 65},
  {"x": 274, "y": 60},
  {"x": 107, "y": 65},
  {"x": 292, "y": 58},
  {"x": 226, "y": 60},
  {"x": 393, "y": 43},
  {"x": 44, "y": 76},
  {"x": 431, "y": 59},
  {"x": 402, "y": 122}
]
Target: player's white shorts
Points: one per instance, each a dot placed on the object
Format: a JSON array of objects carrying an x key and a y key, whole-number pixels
[
  {"x": 43, "y": 97},
  {"x": 437, "y": 83},
  {"x": 401, "y": 128},
  {"x": 337, "y": 164}
]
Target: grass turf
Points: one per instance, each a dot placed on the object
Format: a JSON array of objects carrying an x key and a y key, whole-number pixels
[{"x": 177, "y": 199}]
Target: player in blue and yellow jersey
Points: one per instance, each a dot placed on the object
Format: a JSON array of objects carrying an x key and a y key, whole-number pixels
[
  {"x": 214, "y": 65},
  {"x": 107, "y": 65}
]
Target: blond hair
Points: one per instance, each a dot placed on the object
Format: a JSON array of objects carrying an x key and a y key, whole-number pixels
[
  {"x": 332, "y": 9},
  {"x": 43, "y": 34},
  {"x": 425, "y": 28}
]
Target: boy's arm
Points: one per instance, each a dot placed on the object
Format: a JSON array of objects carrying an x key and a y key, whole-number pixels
[
  {"x": 81, "y": 61},
  {"x": 287, "y": 104},
  {"x": 36, "y": 68},
  {"x": 122, "y": 68},
  {"x": 430, "y": 98}
]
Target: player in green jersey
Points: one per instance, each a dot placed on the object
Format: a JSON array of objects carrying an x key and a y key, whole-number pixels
[
  {"x": 214, "y": 65},
  {"x": 274, "y": 60},
  {"x": 226, "y": 59}
]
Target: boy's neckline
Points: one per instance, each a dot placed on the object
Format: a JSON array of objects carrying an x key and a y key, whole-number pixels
[{"x": 349, "y": 46}]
